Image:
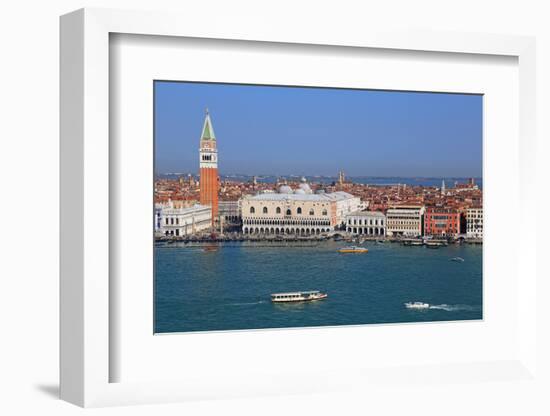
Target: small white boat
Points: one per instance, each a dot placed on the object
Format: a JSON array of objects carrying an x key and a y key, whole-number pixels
[
  {"x": 417, "y": 305},
  {"x": 457, "y": 259},
  {"x": 306, "y": 296}
]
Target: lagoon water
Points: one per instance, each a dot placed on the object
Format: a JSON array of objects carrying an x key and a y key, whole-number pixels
[
  {"x": 366, "y": 180},
  {"x": 229, "y": 289}
]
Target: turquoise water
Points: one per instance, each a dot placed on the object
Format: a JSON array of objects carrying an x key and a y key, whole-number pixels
[{"x": 229, "y": 289}]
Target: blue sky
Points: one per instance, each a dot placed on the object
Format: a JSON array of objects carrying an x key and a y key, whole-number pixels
[{"x": 317, "y": 131}]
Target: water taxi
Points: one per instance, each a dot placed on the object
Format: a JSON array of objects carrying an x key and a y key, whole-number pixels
[
  {"x": 353, "y": 249},
  {"x": 306, "y": 296},
  {"x": 436, "y": 243},
  {"x": 417, "y": 305},
  {"x": 457, "y": 259}
]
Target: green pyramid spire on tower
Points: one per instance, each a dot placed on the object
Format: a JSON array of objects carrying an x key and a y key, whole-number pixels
[{"x": 207, "y": 129}]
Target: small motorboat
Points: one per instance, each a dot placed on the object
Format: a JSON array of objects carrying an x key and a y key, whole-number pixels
[
  {"x": 457, "y": 259},
  {"x": 412, "y": 242},
  {"x": 417, "y": 305},
  {"x": 306, "y": 296},
  {"x": 353, "y": 249},
  {"x": 210, "y": 249}
]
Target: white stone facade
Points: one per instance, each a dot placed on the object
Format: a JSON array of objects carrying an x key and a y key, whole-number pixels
[
  {"x": 295, "y": 212},
  {"x": 179, "y": 222},
  {"x": 405, "y": 220},
  {"x": 346, "y": 206},
  {"x": 474, "y": 223},
  {"x": 369, "y": 223}
]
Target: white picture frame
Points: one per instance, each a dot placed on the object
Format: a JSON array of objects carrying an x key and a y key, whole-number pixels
[{"x": 86, "y": 301}]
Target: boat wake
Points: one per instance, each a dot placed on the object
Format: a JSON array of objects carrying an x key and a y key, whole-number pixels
[
  {"x": 454, "y": 308},
  {"x": 246, "y": 303}
]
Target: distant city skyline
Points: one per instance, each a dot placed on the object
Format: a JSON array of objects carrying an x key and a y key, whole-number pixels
[
  {"x": 273, "y": 177},
  {"x": 284, "y": 131}
]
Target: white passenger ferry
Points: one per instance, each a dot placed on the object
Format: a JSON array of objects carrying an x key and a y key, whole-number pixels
[{"x": 298, "y": 296}]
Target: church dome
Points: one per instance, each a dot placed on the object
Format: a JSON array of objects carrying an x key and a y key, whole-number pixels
[
  {"x": 306, "y": 188},
  {"x": 285, "y": 189}
]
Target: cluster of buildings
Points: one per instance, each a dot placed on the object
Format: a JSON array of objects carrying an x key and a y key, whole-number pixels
[
  {"x": 191, "y": 217},
  {"x": 415, "y": 221},
  {"x": 186, "y": 206}
]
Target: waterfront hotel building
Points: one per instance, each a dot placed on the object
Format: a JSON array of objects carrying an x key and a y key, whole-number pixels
[
  {"x": 405, "y": 220},
  {"x": 297, "y": 211},
  {"x": 209, "y": 178},
  {"x": 474, "y": 222},
  {"x": 442, "y": 221}
]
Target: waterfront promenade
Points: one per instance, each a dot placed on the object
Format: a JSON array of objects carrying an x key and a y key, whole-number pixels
[{"x": 334, "y": 236}]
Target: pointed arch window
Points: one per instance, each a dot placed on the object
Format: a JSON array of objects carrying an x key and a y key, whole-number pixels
[
  {"x": 264, "y": 210},
  {"x": 325, "y": 212},
  {"x": 288, "y": 212},
  {"x": 311, "y": 212},
  {"x": 299, "y": 210},
  {"x": 252, "y": 210},
  {"x": 278, "y": 210}
]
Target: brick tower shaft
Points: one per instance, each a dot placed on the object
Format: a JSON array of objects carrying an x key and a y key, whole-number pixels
[{"x": 209, "y": 178}]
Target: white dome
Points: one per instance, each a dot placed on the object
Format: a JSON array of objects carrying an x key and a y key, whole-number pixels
[
  {"x": 305, "y": 187},
  {"x": 285, "y": 189},
  {"x": 299, "y": 191}
]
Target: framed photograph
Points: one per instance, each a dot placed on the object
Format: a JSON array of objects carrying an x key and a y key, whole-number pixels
[{"x": 267, "y": 214}]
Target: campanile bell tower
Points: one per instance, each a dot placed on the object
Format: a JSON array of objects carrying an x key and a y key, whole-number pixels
[{"x": 209, "y": 181}]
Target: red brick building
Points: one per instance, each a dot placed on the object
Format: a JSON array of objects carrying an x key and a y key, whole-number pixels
[{"x": 442, "y": 221}]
